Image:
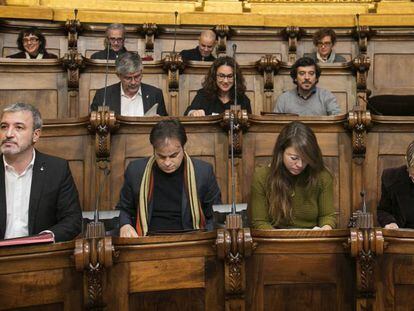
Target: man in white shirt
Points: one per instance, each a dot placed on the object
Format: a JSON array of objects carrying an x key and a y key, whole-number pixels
[
  {"x": 130, "y": 97},
  {"x": 37, "y": 191}
]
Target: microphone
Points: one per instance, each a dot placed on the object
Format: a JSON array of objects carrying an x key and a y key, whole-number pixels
[
  {"x": 175, "y": 30},
  {"x": 358, "y": 27},
  {"x": 364, "y": 204},
  {"x": 108, "y": 44},
  {"x": 106, "y": 172},
  {"x": 235, "y": 73}
]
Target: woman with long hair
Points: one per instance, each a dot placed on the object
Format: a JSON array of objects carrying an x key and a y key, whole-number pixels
[
  {"x": 217, "y": 93},
  {"x": 32, "y": 45},
  {"x": 296, "y": 191}
]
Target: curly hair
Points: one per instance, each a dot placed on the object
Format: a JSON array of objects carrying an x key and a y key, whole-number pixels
[
  {"x": 318, "y": 36},
  {"x": 34, "y": 31},
  {"x": 304, "y": 62},
  {"x": 210, "y": 81}
]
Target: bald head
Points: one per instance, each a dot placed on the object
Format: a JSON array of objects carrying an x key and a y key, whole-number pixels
[{"x": 206, "y": 42}]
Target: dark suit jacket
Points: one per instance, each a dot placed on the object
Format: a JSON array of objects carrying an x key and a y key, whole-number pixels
[
  {"x": 150, "y": 96},
  {"x": 338, "y": 58},
  {"x": 397, "y": 197},
  {"x": 112, "y": 54},
  {"x": 22, "y": 55},
  {"x": 207, "y": 189},
  {"x": 54, "y": 202},
  {"x": 194, "y": 54}
]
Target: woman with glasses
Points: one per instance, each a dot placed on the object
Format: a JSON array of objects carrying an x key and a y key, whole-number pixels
[
  {"x": 324, "y": 41},
  {"x": 32, "y": 45},
  {"x": 218, "y": 92},
  {"x": 296, "y": 190},
  {"x": 396, "y": 206}
]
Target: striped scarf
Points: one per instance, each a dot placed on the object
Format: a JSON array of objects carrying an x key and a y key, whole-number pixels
[{"x": 147, "y": 189}]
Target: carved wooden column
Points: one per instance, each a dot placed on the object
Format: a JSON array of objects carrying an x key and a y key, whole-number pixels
[
  {"x": 292, "y": 34},
  {"x": 234, "y": 244},
  {"x": 365, "y": 244},
  {"x": 223, "y": 34},
  {"x": 150, "y": 30},
  {"x": 360, "y": 67},
  {"x": 173, "y": 64},
  {"x": 362, "y": 34},
  {"x": 268, "y": 65},
  {"x": 72, "y": 62},
  {"x": 103, "y": 123}
]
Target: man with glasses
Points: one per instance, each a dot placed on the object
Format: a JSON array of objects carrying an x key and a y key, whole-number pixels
[
  {"x": 202, "y": 52},
  {"x": 324, "y": 41},
  {"x": 396, "y": 206},
  {"x": 130, "y": 97},
  {"x": 115, "y": 38},
  {"x": 307, "y": 99}
]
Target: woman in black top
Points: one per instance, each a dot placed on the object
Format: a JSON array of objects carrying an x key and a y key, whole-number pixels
[
  {"x": 217, "y": 93},
  {"x": 396, "y": 207},
  {"x": 32, "y": 44}
]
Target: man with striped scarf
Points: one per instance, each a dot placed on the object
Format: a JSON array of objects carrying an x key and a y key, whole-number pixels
[{"x": 168, "y": 191}]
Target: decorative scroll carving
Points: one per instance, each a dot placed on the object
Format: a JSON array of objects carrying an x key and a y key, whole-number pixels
[
  {"x": 103, "y": 123},
  {"x": 73, "y": 62},
  {"x": 365, "y": 244},
  {"x": 223, "y": 34},
  {"x": 360, "y": 66},
  {"x": 268, "y": 65},
  {"x": 92, "y": 254},
  {"x": 292, "y": 34},
  {"x": 73, "y": 28},
  {"x": 174, "y": 65},
  {"x": 240, "y": 124},
  {"x": 150, "y": 30},
  {"x": 233, "y": 245},
  {"x": 359, "y": 121},
  {"x": 362, "y": 34}
]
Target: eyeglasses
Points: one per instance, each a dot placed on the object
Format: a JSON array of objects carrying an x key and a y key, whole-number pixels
[
  {"x": 326, "y": 44},
  {"x": 222, "y": 77},
  {"x": 30, "y": 40},
  {"x": 136, "y": 77},
  {"x": 119, "y": 40}
]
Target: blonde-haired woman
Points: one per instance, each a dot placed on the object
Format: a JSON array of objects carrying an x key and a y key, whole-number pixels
[
  {"x": 296, "y": 191},
  {"x": 396, "y": 206}
]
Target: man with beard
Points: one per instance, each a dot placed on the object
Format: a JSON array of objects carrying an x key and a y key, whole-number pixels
[
  {"x": 130, "y": 97},
  {"x": 307, "y": 99},
  {"x": 115, "y": 38},
  {"x": 37, "y": 191}
]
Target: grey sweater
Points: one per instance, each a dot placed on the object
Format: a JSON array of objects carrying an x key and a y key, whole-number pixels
[{"x": 321, "y": 103}]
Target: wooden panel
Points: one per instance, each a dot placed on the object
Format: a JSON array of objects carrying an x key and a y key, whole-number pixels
[
  {"x": 178, "y": 273},
  {"x": 172, "y": 300}
]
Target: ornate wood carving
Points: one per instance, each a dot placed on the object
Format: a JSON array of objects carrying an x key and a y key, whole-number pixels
[
  {"x": 268, "y": 65},
  {"x": 150, "y": 30},
  {"x": 292, "y": 34},
  {"x": 360, "y": 67},
  {"x": 73, "y": 63},
  {"x": 359, "y": 121},
  {"x": 233, "y": 245},
  {"x": 174, "y": 65},
  {"x": 73, "y": 28},
  {"x": 365, "y": 245},
  {"x": 362, "y": 34},
  {"x": 93, "y": 254},
  {"x": 103, "y": 123},
  {"x": 223, "y": 34},
  {"x": 240, "y": 124}
]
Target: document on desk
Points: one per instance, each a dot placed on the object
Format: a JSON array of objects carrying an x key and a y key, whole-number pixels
[{"x": 152, "y": 111}]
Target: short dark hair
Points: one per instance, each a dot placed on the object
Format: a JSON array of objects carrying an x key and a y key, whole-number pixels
[
  {"x": 168, "y": 129},
  {"x": 317, "y": 37},
  {"x": 35, "y": 32},
  {"x": 303, "y": 62}
]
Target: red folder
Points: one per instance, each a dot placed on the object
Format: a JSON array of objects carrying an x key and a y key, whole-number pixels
[{"x": 29, "y": 240}]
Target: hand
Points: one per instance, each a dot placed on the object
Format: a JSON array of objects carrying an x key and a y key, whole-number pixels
[
  {"x": 127, "y": 231},
  {"x": 197, "y": 113},
  {"x": 325, "y": 227},
  {"x": 392, "y": 225}
]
